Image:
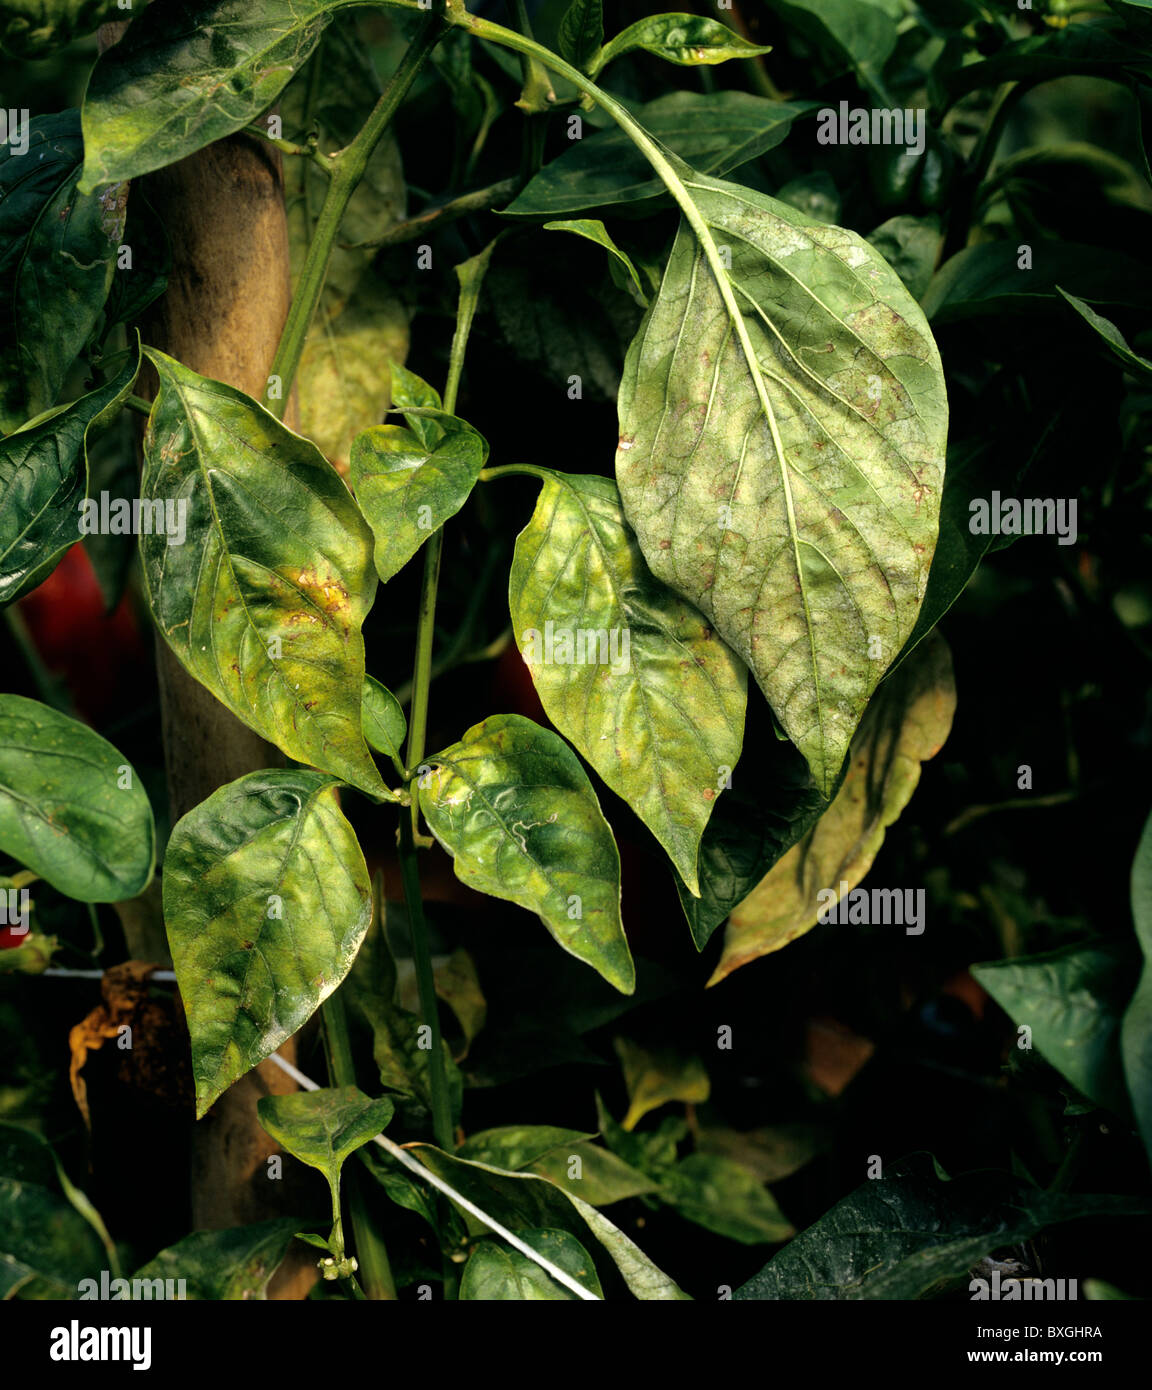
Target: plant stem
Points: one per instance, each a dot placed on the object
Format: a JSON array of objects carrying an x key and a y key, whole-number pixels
[
  {"x": 51, "y": 690},
  {"x": 370, "y": 1248},
  {"x": 671, "y": 179},
  {"x": 348, "y": 168},
  {"x": 479, "y": 200},
  {"x": 138, "y": 404}
]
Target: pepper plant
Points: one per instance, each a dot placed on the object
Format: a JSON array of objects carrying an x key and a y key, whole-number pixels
[{"x": 777, "y": 527}]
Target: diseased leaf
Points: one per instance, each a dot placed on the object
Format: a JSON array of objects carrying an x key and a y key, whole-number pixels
[
  {"x": 905, "y": 725},
  {"x": 1136, "y": 1026},
  {"x": 458, "y": 985},
  {"x": 902, "y": 1235},
  {"x": 384, "y": 722},
  {"x": 71, "y": 808},
  {"x": 322, "y": 1128},
  {"x": 43, "y": 483},
  {"x": 263, "y": 600},
  {"x": 57, "y": 262},
  {"x": 1071, "y": 999},
  {"x": 627, "y": 670},
  {"x": 715, "y": 133},
  {"x": 781, "y": 455},
  {"x": 600, "y": 1179},
  {"x": 655, "y": 1078},
  {"x": 518, "y": 1146},
  {"x": 720, "y": 1195},
  {"x": 581, "y": 32},
  {"x": 225, "y": 1266},
  {"x": 523, "y": 1201},
  {"x": 266, "y": 901},
  {"x": 515, "y": 810},
  {"x": 497, "y": 1272},
  {"x": 188, "y": 73},
  {"x": 410, "y": 481},
  {"x": 688, "y": 40}
]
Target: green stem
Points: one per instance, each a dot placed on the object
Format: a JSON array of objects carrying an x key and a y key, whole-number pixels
[
  {"x": 479, "y": 200},
  {"x": 371, "y": 1251},
  {"x": 348, "y": 167},
  {"x": 496, "y": 33},
  {"x": 510, "y": 470},
  {"x": 138, "y": 404},
  {"x": 50, "y": 690}
]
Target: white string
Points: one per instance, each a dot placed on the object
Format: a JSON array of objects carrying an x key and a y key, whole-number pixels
[
  {"x": 61, "y": 972},
  {"x": 402, "y": 1156}
]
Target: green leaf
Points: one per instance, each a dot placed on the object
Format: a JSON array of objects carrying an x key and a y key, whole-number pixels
[
  {"x": 909, "y": 245},
  {"x": 906, "y": 724},
  {"x": 71, "y": 808},
  {"x": 384, "y": 722},
  {"x": 43, "y": 483},
  {"x": 225, "y": 1266},
  {"x": 688, "y": 40},
  {"x": 720, "y": 1195},
  {"x": 57, "y": 261},
  {"x": 1071, "y": 999},
  {"x": 182, "y": 78},
  {"x": 264, "y": 600},
  {"x": 523, "y": 1201},
  {"x": 771, "y": 804},
  {"x": 518, "y": 1146},
  {"x": 715, "y": 133},
  {"x": 581, "y": 33},
  {"x": 1136, "y": 1027},
  {"x": 458, "y": 985},
  {"x": 33, "y": 28},
  {"x": 514, "y": 808},
  {"x": 601, "y": 1178},
  {"x": 899, "y": 1236},
  {"x": 592, "y": 229},
  {"x": 397, "y": 1050},
  {"x": 136, "y": 286},
  {"x": 497, "y": 1272},
  {"x": 1100, "y": 49},
  {"x": 781, "y": 455},
  {"x": 627, "y": 670},
  {"x": 1114, "y": 340},
  {"x": 408, "y": 482},
  {"x": 989, "y": 280},
  {"x": 654, "y": 1079},
  {"x": 322, "y": 1128},
  {"x": 50, "y": 1234},
  {"x": 860, "y": 32},
  {"x": 266, "y": 900}
]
